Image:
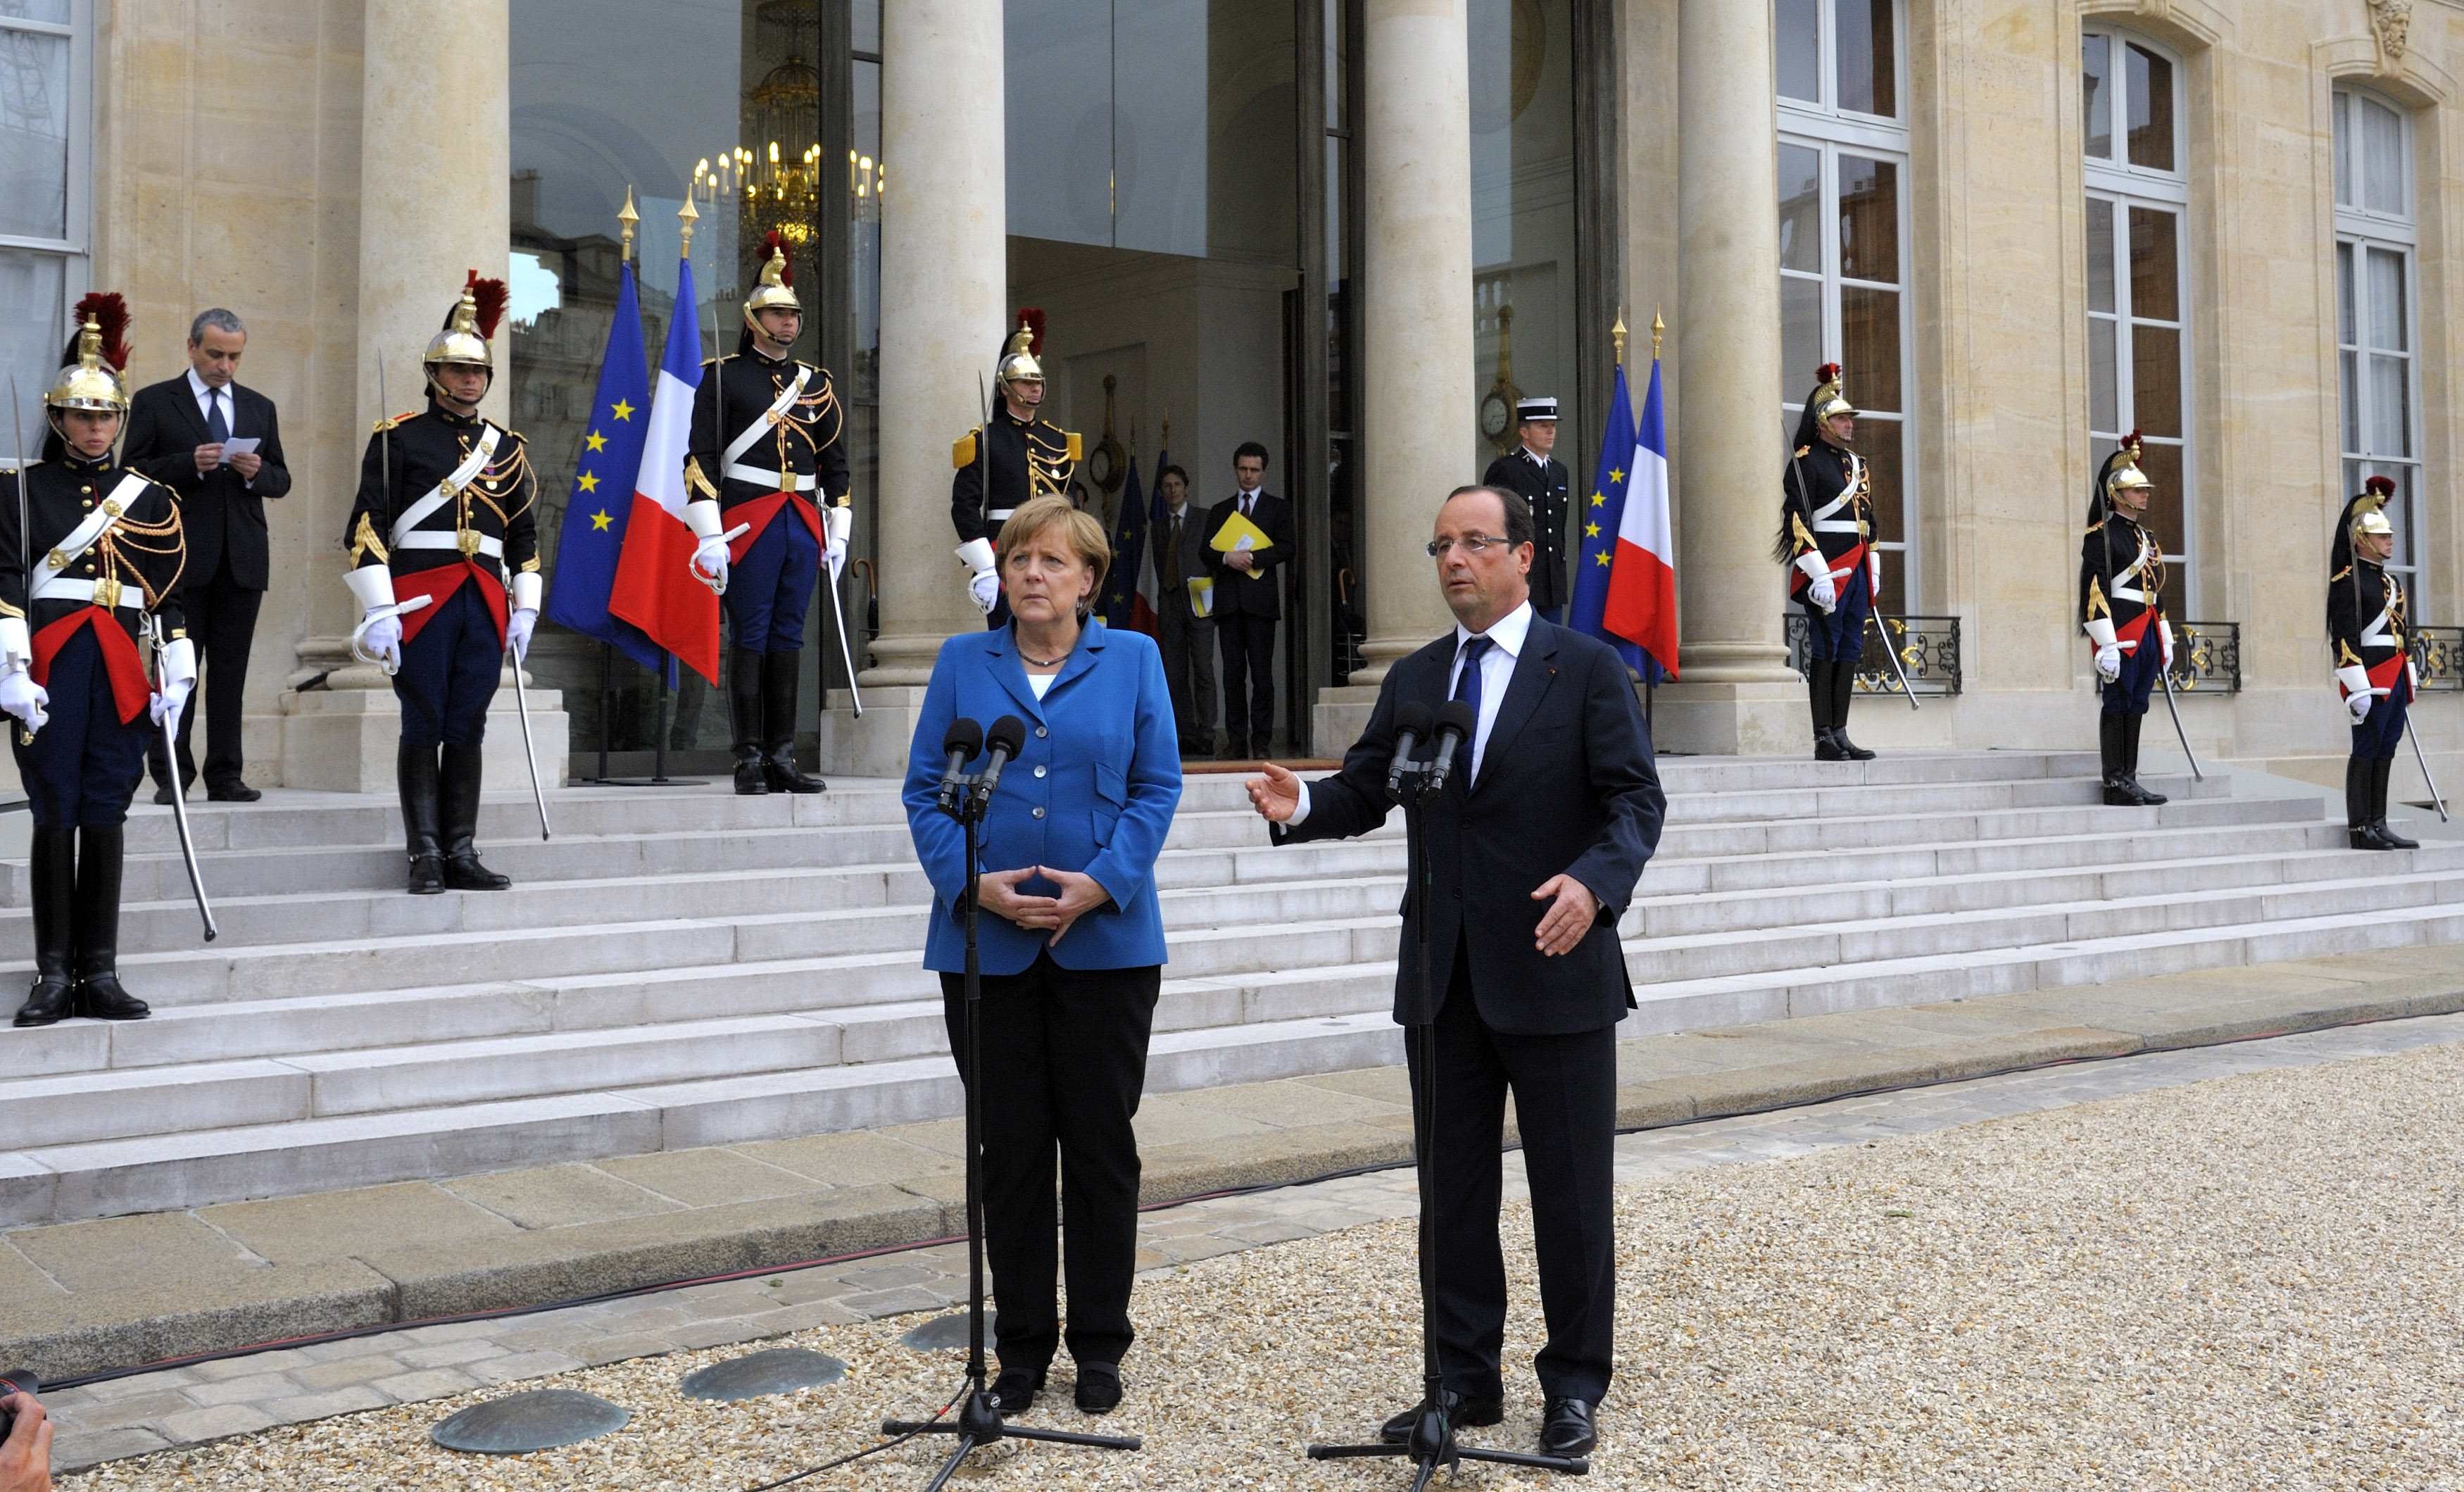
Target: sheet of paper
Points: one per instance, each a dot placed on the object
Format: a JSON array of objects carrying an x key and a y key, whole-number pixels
[{"x": 240, "y": 446}]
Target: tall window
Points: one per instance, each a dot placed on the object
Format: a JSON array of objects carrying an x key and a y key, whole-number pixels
[
  {"x": 2374, "y": 311},
  {"x": 2138, "y": 296},
  {"x": 1843, "y": 153},
  {"x": 46, "y": 145}
]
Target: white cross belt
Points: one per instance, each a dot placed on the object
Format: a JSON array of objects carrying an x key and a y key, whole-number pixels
[
  {"x": 63, "y": 588},
  {"x": 773, "y": 481},
  {"x": 447, "y": 539}
]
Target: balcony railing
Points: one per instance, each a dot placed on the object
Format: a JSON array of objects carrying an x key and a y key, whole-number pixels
[
  {"x": 1929, "y": 649},
  {"x": 2438, "y": 657},
  {"x": 2207, "y": 657}
]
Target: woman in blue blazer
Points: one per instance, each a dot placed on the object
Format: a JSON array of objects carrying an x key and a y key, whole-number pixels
[{"x": 1071, "y": 938}]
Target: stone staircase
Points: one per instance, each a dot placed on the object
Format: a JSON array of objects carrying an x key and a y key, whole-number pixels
[{"x": 687, "y": 968}]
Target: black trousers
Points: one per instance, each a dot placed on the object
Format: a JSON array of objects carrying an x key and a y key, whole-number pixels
[
  {"x": 222, "y": 623},
  {"x": 1064, "y": 1062},
  {"x": 1248, "y": 647},
  {"x": 1565, "y": 1101}
]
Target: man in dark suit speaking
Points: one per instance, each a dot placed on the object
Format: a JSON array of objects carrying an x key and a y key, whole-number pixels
[
  {"x": 1553, "y": 808},
  {"x": 185, "y": 433}
]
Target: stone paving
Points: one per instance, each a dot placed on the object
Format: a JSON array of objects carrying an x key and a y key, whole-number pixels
[{"x": 234, "y": 1396}]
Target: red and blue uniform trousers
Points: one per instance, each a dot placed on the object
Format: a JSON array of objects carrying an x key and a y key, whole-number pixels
[
  {"x": 2127, "y": 691},
  {"x": 2376, "y": 738},
  {"x": 453, "y": 653},
  {"x": 772, "y": 571},
  {"x": 83, "y": 765},
  {"x": 1839, "y": 635}
]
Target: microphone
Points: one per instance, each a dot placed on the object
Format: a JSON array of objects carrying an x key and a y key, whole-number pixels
[
  {"x": 959, "y": 743},
  {"x": 1000, "y": 745},
  {"x": 1455, "y": 721},
  {"x": 1411, "y": 724}
]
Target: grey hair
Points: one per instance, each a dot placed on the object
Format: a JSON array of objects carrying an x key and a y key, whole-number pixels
[{"x": 219, "y": 319}]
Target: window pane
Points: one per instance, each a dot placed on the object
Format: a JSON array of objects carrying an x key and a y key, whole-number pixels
[
  {"x": 2151, "y": 110},
  {"x": 863, "y": 26},
  {"x": 2096, "y": 94},
  {"x": 1869, "y": 219},
  {"x": 1868, "y": 57},
  {"x": 56, "y": 12},
  {"x": 2155, "y": 265},
  {"x": 1883, "y": 444},
  {"x": 1800, "y": 335},
  {"x": 1869, "y": 337},
  {"x": 34, "y": 322},
  {"x": 1057, "y": 110},
  {"x": 2391, "y": 407},
  {"x": 2100, "y": 255},
  {"x": 1796, "y": 26},
  {"x": 2391, "y": 320},
  {"x": 2347, "y": 320},
  {"x": 2104, "y": 377},
  {"x": 34, "y": 135},
  {"x": 2399, "y": 511},
  {"x": 2343, "y": 118},
  {"x": 2383, "y": 166},
  {"x": 2156, "y": 380},
  {"x": 1800, "y": 208},
  {"x": 2348, "y": 373},
  {"x": 2163, "y": 465}
]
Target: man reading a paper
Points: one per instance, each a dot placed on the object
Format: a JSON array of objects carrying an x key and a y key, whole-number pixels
[{"x": 1251, "y": 533}]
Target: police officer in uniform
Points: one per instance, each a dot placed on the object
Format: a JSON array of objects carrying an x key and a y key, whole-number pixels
[
  {"x": 443, "y": 563},
  {"x": 104, "y": 549},
  {"x": 1544, "y": 482},
  {"x": 1826, "y": 529},
  {"x": 2122, "y": 609},
  {"x": 778, "y": 512},
  {"x": 2366, "y": 622},
  {"x": 1022, "y": 455}
]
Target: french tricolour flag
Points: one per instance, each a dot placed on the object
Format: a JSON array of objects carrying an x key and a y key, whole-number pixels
[
  {"x": 654, "y": 588},
  {"x": 1642, "y": 603}
]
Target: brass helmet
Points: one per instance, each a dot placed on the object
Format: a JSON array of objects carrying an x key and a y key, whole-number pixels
[
  {"x": 1829, "y": 402},
  {"x": 776, "y": 289},
  {"x": 2126, "y": 475},
  {"x": 2369, "y": 510},
  {"x": 467, "y": 327},
  {"x": 91, "y": 377},
  {"x": 1018, "y": 361}
]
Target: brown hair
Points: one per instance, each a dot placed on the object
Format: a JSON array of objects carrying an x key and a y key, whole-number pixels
[{"x": 1079, "y": 530}]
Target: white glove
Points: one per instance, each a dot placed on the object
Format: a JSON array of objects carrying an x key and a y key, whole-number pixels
[
  {"x": 837, "y": 522},
  {"x": 710, "y": 563},
  {"x": 985, "y": 587},
  {"x": 2108, "y": 661},
  {"x": 1825, "y": 594},
  {"x": 167, "y": 705},
  {"x": 21, "y": 696},
  {"x": 2360, "y": 706},
  {"x": 518, "y": 632},
  {"x": 2164, "y": 631},
  {"x": 382, "y": 639}
]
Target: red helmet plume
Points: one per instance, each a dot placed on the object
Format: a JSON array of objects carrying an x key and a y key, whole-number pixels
[
  {"x": 107, "y": 310},
  {"x": 489, "y": 297}
]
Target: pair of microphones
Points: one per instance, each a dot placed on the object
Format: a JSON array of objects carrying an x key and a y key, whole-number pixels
[
  {"x": 1452, "y": 721},
  {"x": 964, "y": 742}
]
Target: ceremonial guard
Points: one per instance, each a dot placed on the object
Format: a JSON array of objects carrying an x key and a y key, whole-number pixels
[
  {"x": 90, "y": 560},
  {"x": 1020, "y": 455},
  {"x": 1826, "y": 529},
  {"x": 2366, "y": 622},
  {"x": 444, "y": 562},
  {"x": 1534, "y": 472},
  {"x": 778, "y": 512},
  {"x": 2122, "y": 609}
]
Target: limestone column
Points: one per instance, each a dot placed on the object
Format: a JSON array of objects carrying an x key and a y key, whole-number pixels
[
  {"x": 1738, "y": 694},
  {"x": 944, "y": 284},
  {"x": 434, "y": 204}
]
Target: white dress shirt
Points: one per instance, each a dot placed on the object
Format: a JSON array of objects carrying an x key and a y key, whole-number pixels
[
  {"x": 1496, "y": 674},
  {"x": 207, "y": 397}
]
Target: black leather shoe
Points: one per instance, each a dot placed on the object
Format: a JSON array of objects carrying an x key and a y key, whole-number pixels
[
  {"x": 1474, "y": 1414},
  {"x": 162, "y": 795},
  {"x": 1014, "y": 1391},
  {"x": 427, "y": 875},
  {"x": 2142, "y": 796},
  {"x": 233, "y": 792},
  {"x": 1566, "y": 1428},
  {"x": 100, "y": 996},
  {"x": 52, "y": 1000},
  {"x": 1099, "y": 1388},
  {"x": 2367, "y": 836},
  {"x": 2118, "y": 793},
  {"x": 779, "y": 773},
  {"x": 1827, "y": 747},
  {"x": 750, "y": 779},
  {"x": 1849, "y": 750}
]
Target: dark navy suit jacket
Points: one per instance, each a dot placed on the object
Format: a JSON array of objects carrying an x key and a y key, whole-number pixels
[{"x": 1565, "y": 786}]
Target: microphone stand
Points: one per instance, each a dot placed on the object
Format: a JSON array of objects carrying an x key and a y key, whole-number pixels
[
  {"x": 979, "y": 1418},
  {"x": 1432, "y": 1442}
]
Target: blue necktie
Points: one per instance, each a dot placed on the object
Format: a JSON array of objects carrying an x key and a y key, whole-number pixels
[
  {"x": 217, "y": 428},
  {"x": 1467, "y": 689}
]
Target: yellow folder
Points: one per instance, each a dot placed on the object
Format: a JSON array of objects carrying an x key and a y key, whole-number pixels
[
  {"x": 1201, "y": 596},
  {"x": 1238, "y": 532}
]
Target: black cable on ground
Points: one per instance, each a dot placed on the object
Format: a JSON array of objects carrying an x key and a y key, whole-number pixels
[{"x": 891, "y": 1444}]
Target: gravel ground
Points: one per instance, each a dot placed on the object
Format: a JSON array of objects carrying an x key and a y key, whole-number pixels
[{"x": 2239, "y": 1284}]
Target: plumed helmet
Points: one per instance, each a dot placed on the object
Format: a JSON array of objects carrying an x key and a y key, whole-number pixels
[
  {"x": 2369, "y": 509},
  {"x": 468, "y": 326},
  {"x": 1018, "y": 361},
  {"x": 776, "y": 289},
  {"x": 89, "y": 377},
  {"x": 2123, "y": 473},
  {"x": 1828, "y": 401}
]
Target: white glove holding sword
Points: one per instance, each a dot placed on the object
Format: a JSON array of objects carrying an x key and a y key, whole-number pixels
[{"x": 709, "y": 552}]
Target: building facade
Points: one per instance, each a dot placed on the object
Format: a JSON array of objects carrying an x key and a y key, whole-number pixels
[{"x": 1353, "y": 230}]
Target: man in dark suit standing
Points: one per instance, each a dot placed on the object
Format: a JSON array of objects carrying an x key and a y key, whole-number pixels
[
  {"x": 180, "y": 433},
  {"x": 1249, "y": 602},
  {"x": 1543, "y": 481},
  {"x": 1188, "y": 634},
  {"x": 1551, "y": 810}
]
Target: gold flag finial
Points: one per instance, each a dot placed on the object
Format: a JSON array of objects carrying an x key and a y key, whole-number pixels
[
  {"x": 686, "y": 217},
  {"x": 627, "y": 220},
  {"x": 1658, "y": 330},
  {"x": 1617, "y": 336}
]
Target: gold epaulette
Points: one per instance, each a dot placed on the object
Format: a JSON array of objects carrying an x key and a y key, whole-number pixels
[
  {"x": 2097, "y": 527},
  {"x": 1802, "y": 451},
  {"x": 2340, "y": 575},
  {"x": 963, "y": 451},
  {"x": 712, "y": 362},
  {"x": 695, "y": 481},
  {"x": 364, "y": 542},
  {"x": 2097, "y": 605},
  {"x": 530, "y": 567},
  {"x": 1077, "y": 445},
  {"x": 1803, "y": 537},
  {"x": 382, "y": 426}
]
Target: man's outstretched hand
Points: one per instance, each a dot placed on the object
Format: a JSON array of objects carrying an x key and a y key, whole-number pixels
[{"x": 1276, "y": 795}]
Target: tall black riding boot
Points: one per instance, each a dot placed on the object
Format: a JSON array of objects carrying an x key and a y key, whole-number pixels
[
  {"x": 52, "y": 867},
  {"x": 1843, "y": 689},
  {"x": 97, "y": 929},
  {"x": 2131, "y": 726},
  {"x": 2111, "y": 745},
  {"x": 457, "y": 779},
  {"x": 414, "y": 776},
  {"x": 2361, "y": 804},
  {"x": 778, "y": 674},
  {"x": 744, "y": 718},
  {"x": 2379, "y": 771},
  {"x": 1817, "y": 700}
]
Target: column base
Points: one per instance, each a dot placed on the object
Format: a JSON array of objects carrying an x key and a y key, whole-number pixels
[
  {"x": 1339, "y": 716},
  {"x": 342, "y": 741},
  {"x": 875, "y": 746},
  {"x": 1701, "y": 719}
]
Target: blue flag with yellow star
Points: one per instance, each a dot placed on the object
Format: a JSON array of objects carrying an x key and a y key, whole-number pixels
[
  {"x": 603, "y": 490},
  {"x": 1602, "y": 512}
]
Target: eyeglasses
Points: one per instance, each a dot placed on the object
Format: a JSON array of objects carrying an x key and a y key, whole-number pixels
[{"x": 1473, "y": 545}]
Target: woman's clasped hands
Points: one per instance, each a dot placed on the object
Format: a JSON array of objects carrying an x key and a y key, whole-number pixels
[{"x": 998, "y": 892}]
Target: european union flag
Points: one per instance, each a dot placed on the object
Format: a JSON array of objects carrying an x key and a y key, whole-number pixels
[
  {"x": 1599, "y": 517},
  {"x": 603, "y": 490}
]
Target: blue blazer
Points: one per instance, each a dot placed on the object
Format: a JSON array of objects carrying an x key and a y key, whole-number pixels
[{"x": 1093, "y": 790}]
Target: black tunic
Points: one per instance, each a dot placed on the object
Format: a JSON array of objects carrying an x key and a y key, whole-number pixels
[
  {"x": 423, "y": 449},
  {"x": 142, "y": 555},
  {"x": 737, "y": 393},
  {"x": 1027, "y": 458},
  {"x": 2366, "y": 619},
  {"x": 2122, "y": 576}
]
